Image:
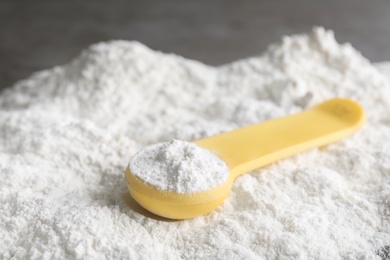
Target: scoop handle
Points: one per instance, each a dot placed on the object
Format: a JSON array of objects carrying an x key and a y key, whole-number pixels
[{"x": 257, "y": 145}]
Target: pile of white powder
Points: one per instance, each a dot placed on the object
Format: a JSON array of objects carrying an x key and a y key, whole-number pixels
[
  {"x": 67, "y": 134},
  {"x": 179, "y": 166}
]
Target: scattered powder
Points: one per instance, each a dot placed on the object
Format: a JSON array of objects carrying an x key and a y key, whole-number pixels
[
  {"x": 179, "y": 166},
  {"x": 67, "y": 134}
]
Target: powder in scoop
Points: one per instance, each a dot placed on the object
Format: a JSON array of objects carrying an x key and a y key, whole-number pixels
[{"x": 179, "y": 166}]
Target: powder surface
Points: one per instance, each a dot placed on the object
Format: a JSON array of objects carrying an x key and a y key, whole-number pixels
[
  {"x": 67, "y": 134},
  {"x": 179, "y": 166}
]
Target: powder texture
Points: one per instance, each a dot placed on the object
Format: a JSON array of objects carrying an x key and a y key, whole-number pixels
[
  {"x": 179, "y": 166},
  {"x": 67, "y": 134}
]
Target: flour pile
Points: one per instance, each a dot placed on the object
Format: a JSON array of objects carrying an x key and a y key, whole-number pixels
[
  {"x": 179, "y": 166},
  {"x": 67, "y": 134}
]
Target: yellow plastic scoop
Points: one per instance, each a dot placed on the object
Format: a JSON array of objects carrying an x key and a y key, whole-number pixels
[{"x": 251, "y": 147}]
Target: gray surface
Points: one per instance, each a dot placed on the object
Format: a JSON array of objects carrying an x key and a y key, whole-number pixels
[{"x": 40, "y": 34}]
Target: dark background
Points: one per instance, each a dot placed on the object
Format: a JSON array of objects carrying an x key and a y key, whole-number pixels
[{"x": 35, "y": 35}]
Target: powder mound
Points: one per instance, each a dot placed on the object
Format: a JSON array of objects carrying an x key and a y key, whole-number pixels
[
  {"x": 179, "y": 166},
  {"x": 67, "y": 133}
]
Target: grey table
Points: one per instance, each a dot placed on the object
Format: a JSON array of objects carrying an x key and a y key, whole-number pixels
[{"x": 35, "y": 35}]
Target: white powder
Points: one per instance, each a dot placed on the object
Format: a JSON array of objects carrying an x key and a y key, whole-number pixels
[
  {"x": 179, "y": 166},
  {"x": 67, "y": 134}
]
